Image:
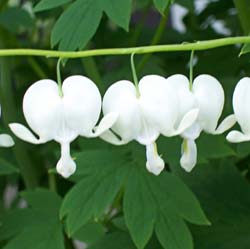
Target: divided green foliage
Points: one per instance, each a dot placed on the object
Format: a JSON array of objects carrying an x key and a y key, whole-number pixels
[
  {"x": 36, "y": 227},
  {"x": 150, "y": 203},
  {"x": 71, "y": 31},
  {"x": 22, "y": 19},
  {"x": 225, "y": 196},
  {"x": 49, "y": 4}
]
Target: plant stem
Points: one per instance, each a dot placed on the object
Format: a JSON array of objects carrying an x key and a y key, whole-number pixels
[
  {"x": 191, "y": 69},
  {"x": 243, "y": 9},
  {"x": 199, "y": 45},
  {"x": 59, "y": 78},
  {"x": 135, "y": 78}
]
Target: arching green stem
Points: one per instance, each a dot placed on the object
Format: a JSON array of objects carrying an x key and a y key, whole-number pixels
[
  {"x": 135, "y": 78},
  {"x": 191, "y": 66},
  {"x": 59, "y": 78}
]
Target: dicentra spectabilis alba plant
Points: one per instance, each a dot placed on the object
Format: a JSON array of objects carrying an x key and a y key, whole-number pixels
[
  {"x": 206, "y": 94},
  {"x": 145, "y": 112},
  {"x": 62, "y": 114},
  {"x": 241, "y": 104},
  {"x": 5, "y": 139}
]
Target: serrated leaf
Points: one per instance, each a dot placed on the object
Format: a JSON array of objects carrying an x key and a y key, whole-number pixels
[
  {"x": 6, "y": 168},
  {"x": 14, "y": 25},
  {"x": 119, "y": 12},
  {"x": 49, "y": 4},
  {"x": 161, "y": 5},
  {"x": 172, "y": 232},
  {"x": 101, "y": 183},
  {"x": 137, "y": 195},
  {"x": 76, "y": 26}
]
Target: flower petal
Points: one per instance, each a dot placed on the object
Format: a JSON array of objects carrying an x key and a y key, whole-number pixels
[
  {"x": 209, "y": 95},
  {"x": 42, "y": 107},
  {"x": 110, "y": 137},
  {"x": 187, "y": 121},
  {"x": 82, "y": 103},
  {"x": 155, "y": 163},
  {"x": 66, "y": 165},
  {"x": 6, "y": 140},
  {"x": 226, "y": 124},
  {"x": 241, "y": 103},
  {"x": 189, "y": 154},
  {"x": 186, "y": 99},
  {"x": 25, "y": 134},
  {"x": 106, "y": 123},
  {"x": 159, "y": 103},
  {"x": 121, "y": 98},
  {"x": 193, "y": 132},
  {"x": 237, "y": 137}
]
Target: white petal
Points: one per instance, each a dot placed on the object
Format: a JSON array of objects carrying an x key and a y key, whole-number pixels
[
  {"x": 237, "y": 137},
  {"x": 185, "y": 96},
  {"x": 159, "y": 103},
  {"x": 148, "y": 133},
  {"x": 226, "y": 124},
  {"x": 155, "y": 163},
  {"x": 193, "y": 132},
  {"x": 6, "y": 140},
  {"x": 106, "y": 123},
  {"x": 110, "y": 137},
  {"x": 42, "y": 107},
  {"x": 66, "y": 165},
  {"x": 187, "y": 121},
  {"x": 25, "y": 134},
  {"x": 121, "y": 98},
  {"x": 189, "y": 155},
  {"x": 82, "y": 103},
  {"x": 209, "y": 95},
  {"x": 241, "y": 103}
]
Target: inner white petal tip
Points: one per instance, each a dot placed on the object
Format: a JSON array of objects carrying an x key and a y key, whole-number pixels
[
  {"x": 66, "y": 167},
  {"x": 189, "y": 155},
  {"x": 155, "y": 167}
]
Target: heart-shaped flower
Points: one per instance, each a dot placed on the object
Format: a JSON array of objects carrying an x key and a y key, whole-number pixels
[
  {"x": 241, "y": 103},
  {"x": 207, "y": 95},
  {"x": 62, "y": 119},
  {"x": 144, "y": 114},
  {"x": 5, "y": 139}
]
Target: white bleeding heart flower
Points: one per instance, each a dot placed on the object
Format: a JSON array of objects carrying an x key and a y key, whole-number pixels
[
  {"x": 62, "y": 118},
  {"x": 208, "y": 96},
  {"x": 5, "y": 139},
  {"x": 241, "y": 101},
  {"x": 144, "y": 115}
]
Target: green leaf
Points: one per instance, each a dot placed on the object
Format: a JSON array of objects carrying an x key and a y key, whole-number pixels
[
  {"x": 225, "y": 196},
  {"x": 21, "y": 21},
  {"x": 116, "y": 240},
  {"x": 172, "y": 232},
  {"x": 140, "y": 221},
  {"x": 98, "y": 188},
  {"x": 119, "y": 11},
  {"x": 154, "y": 198},
  {"x": 89, "y": 233},
  {"x": 6, "y": 168},
  {"x": 49, "y": 4},
  {"x": 38, "y": 223},
  {"x": 79, "y": 22},
  {"x": 161, "y": 5},
  {"x": 245, "y": 49},
  {"x": 76, "y": 26}
]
